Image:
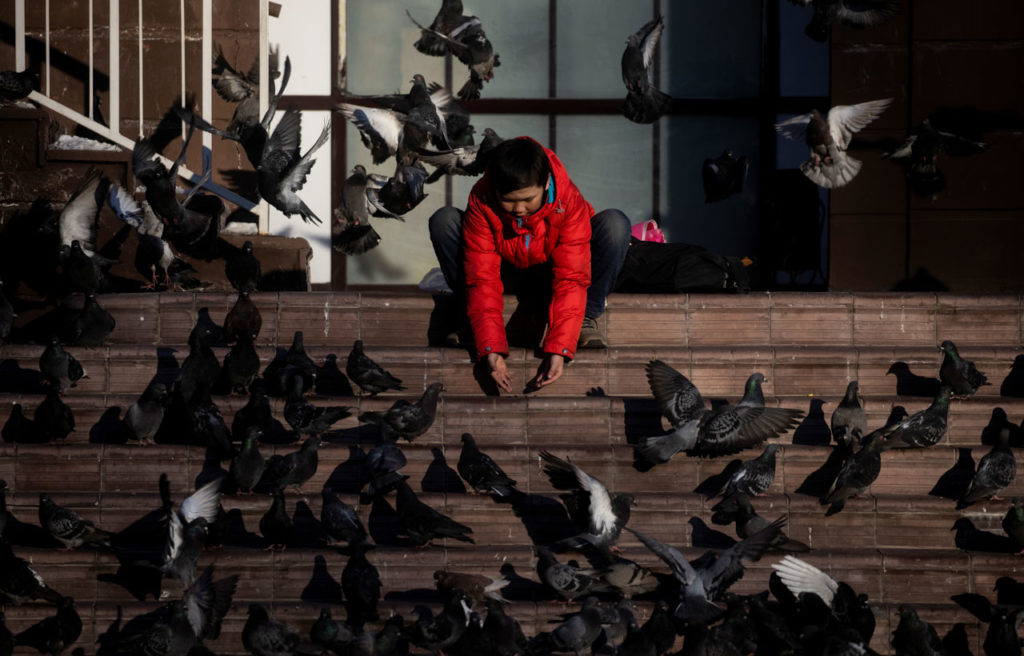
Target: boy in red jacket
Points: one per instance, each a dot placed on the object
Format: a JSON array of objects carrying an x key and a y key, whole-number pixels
[{"x": 528, "y": 230}]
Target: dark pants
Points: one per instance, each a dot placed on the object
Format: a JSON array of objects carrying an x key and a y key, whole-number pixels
[{"x": 608, "y": 244}]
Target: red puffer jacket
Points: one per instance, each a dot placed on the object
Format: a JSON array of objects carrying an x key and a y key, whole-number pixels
[{"x": 559, "y": 232}]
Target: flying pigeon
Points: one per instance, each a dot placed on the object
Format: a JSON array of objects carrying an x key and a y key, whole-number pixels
[
  {"x": 481, "y": 472},
  {"x": 858, "y": 473},
  {"x": 996, "y": 471},
  {"x": 153, "y": 253},
  {"x": 67, "y": 526},
  {"x": 724, "y": 176},
  {"x": 243, "y": 270},
  {"x": 401, "y": 193},
  {"x": 282, "y": 171},
  {"x": 644, "y": 103},
  {"x": 921, "y": 151},
  {"x": 921, "y": 429},
  {"x": 405, "y": 419},
  {"x": 187, "y": 531},
  {"x": 242, "y": 88},
  {"x": 15, "y": 85},
  {"x": 79, "y": 220},
  {"x": 421, "y": 523},
  {"x": 370, "y": 376},
  {"x": 339, "y": 520},
  {"x": 855, "y": 13},
  {"x": 381, "y": 130},
  {"x": 959, "y": 373},
  {"x": 262, "y": 636},
  {"x": 600, "y": 514},
  {"x": 464, "y": 160},
  {"x": 476, "y": 587},
  {"x": 59, "y": 368},
  {"x": 351, "y": 232},
  {"x": 849, "y": 421},
  {"x": 828, "y": 138},
  {"x": 463, "y": 37}
]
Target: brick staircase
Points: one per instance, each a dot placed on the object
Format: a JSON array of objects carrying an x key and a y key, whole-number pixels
[{"x": 895, "y": 544}]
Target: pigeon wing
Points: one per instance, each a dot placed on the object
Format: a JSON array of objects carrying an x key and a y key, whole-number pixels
[
  {"x": 680, "y": 400},
  {"x": 649, "y": 43},
  {"x": 794, "y": 128},
  {"x": 844, "y": 120},
  {"x": 800, "y": 576},
  {"x": 204, "y": 502},
  {"x": 285, "y": 139},
  {"x": 728, "y": 567},
  {"x": 231, "y": 85},
  {"x": 680, "y": 567},
  {"x": 296, "y": 177},
  {"x": 78, "y": 219}
]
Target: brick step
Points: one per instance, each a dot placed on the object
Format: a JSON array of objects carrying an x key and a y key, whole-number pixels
[
  {"x": 770, "y": 319},
  {"x": 294, "y": 590},
  {"x": 551, "y": 419}
]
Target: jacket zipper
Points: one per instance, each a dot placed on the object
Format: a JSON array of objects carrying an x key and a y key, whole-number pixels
[{"x": 519, "y": 222}]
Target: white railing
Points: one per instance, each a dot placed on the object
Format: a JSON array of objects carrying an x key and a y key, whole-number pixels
[{"x": 113, "y": 132}]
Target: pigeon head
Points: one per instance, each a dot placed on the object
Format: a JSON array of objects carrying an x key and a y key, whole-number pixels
[
  {"x": 949, "y": 348},
  {"x": 247, "y": 248},
  {"x": 942, "y": 397},
  {"x": 258, "y": 613}
]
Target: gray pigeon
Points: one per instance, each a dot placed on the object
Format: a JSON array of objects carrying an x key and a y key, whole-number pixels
[
  {"x": 187, "y": 531},
  {"x": 1001, "y": 636},
  {"x": 282, "y": 171},
  {"x": 247, "y": 466},
  {"x": 828, "y": 138},
  {"x": 405, "y": 419},
  {"x": 481, "y": 472},
  {"x": 921, "y": 429},
  {"x": 644, "y": 103},
  {"x": 567, "y": 580},
  {"x": 996, "y": 471},
  {"x": 370, "y": 376},
  {"x": 60, "y": 368},
  {"x": 153, "y": 252},
  {"x": 144, "y": 417},
  {"x": 1013, "y": 524},
  {"x": 915, "y": 636},
  {"x": 577, "y": 634},
  {"x": 306, "y": 418},
  {"x": 360, "y": 583},
  {"x": 849, "y": 421},
  {"x": 294, "y": 468},
  {"x": 959, "y": 373},
  {"x": 242, "y": 88},
  {"x": 754, "y": 477},
  {"x": 330, "y": 634},
  {"x": 67, "y": 526},
  {"x": 339, "y": 520},
  {"x": 276, "y": 525},
  {"x": 351, "y": 232},
  {"x": 15, "y": 85},
  {"x": 855, "y": 13},
  {"x": 243, "y": 320},
  {"x": 463, "y": 37},
  {"x": 858, "y": 473},
  {"x": 679, "y": 399},
  {"x": 262, "y": 636},
  {"x": 921, "y": 151},
  {"x": 380, "y": 129},
  {"x": 748, "y": 522},
  {"x": 91, "y": 325},
  {"x": 466, "y": 160}
]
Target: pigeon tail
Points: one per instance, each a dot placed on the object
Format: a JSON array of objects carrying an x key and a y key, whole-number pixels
[
  {"x": 646, "y": 107},
  {"x": 837, "y": 174}
]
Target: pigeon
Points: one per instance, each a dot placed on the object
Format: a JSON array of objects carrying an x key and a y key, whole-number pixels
[
  {"x": 79, "y": 220},
  {"x": 294, "y": 363},
  {"x": 481, "y": 472},
  {"x": 709, "y": 433},
  {"x": 477, "y": 588},
  {"x": 644, "y": 103},
  {"x": 282, "y": 171},
  {"x": 200, "y": 369},
  {"x": 243, "y": 320},
  {"x": 91, "y": 325},
  {"x": 421, "y": 523},
  {"x": 921, "y": 429},
  {"x": 255, "y": 414},
  {"x": 67, "y": 526},
  {"x": 59, "y": 368},
  {"x": 153, "y": 253},
  {"x": 754, "y": 477},
  {"x": 7, "y": 316},
  {"x": 748, "y": 522},
  {"x": 187, "y": 531},
  {"x": 243, "y": 270},
  {"x": 308, "y": 419},
  {"x": 849, "y": 421},
  {"x": 503, "y": 630},
  {"x": 381, "y": 130},
  {"x": 53, "y": 634},
  {"x": 920, "y": 153},
  {"x": 468, "y": 160},
  {"x": 360, "y": 583},
  {"x": 959, "y": 373},
  {"x": 248, "y": 465},
  {"x": 330, "y": 634},
  {"x": 567, "y": 580},
  {"x": 401, "y": 193},
  {"x": 463, "y": 37},
  {"x": 242, "y": 88},
  {"x": 294, "y": 468},
  {"x": 262, "y": 636},
  {"x": 724, "y": 176},
  {"x": 828, "y": 138},
  {"x": 855, "y": 13},
  {"x": 1001, "y": 635},
  {"x": 915, "y": 636},
  {"x": 576, "y": 634},
  {"x": 339, "y": 520},
  {"x": 351, "y": 232},
  {"x": 21, "y": 429},
  {"x": 425, "y": 118},
  {"x": 15, "y": 85},
  {"x": 858, "y": 473},
  {"x": 439, "y": 632},
  {"x": 241, "y": 364},
  {"x": 996, "y": 471},
  {"x": 53, "y": 419},
  {"x": 1013, "y": 524},
  {"x": 382, "y": 465},
  {"x": 19, "y": 583},
  {"x": 81, "y": 273},
  {"x": 660, "y": 628},
  {"x": 370, "y": 376},
  {"x": 405, "y": 419},
  {"x": 276, "y": 525},
  {"x": 599, "y": 513},
  {"x": 207, "y": 426},
  {"x": 704, "y": 582}
]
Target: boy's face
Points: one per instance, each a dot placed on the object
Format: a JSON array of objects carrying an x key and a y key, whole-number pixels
[{"x": 522, "y": 202}]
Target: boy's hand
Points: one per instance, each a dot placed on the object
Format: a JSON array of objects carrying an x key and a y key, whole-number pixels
[
  {"x": 549, "y": 371},
  {"x": 499, "y": 371}
]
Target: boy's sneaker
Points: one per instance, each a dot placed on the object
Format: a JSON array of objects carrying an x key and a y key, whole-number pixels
[{"x": 590, "y": 335}]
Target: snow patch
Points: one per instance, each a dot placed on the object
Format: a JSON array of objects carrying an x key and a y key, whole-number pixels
[{"x": 69, "y": 142}]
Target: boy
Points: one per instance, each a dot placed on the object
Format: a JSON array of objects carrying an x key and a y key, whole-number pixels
[{"x": 527, "y": 229}]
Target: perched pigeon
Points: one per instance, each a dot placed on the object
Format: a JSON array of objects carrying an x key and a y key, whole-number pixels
[
  {"x": 276, "y": 525},
  {"x": 207, "y": 426},
  {"x": 243, "y": 320},
  {"x": 360, "y": 583},
  {"x": 242, "y": 364},
  {"x": 308, "y": 419},
  {"x": 921, "y": 151},
  {"x": 439, "y": 632},
  {"x": 91, "y": 325},
  {"x": 1001, "y": 636},
  {"x": 294, "y": 468},
  {"x": 7, "y": 315},
  {"x": 144, "y": 417},
  {"x": 748, "y": 522},
  {"x": 1013, "y": 524},
  {"x": 724, "y": 176},
  {"x": 59, "y": 368},
  {"x": 187, "y": 532},
  {"x": 405, "y": 419},
  {"x": 754, "y": 477},
  {"x": 255, "y": 414},
  {"x": 243, "y": 270},
  {"x": 67, "y": 526},
  {"x": 81, "y": 272},
  {"x": 567, "y": 580},
  {"x": 503, "y": 630},
  {"x": 959, "y": 373},
  {"x": 339, "y": 520},
  {"x": 19, "y": 583},
  {"x": 465, "y": 160},
  {"x": 294, "y": 363},
  {"x": 915, "y": 636},
  {"x": 996, "y": 471},
  {"x": 644, "y": 103},
  {"x": 15, "y": 85},
  {"x": 53, "y": 419},
  {"x": 370, "y": 376},
  {"x": 703, "y": 583},
  {"x": 858, "y": 473},
  {"x": 382, "y": 465},
  {"x": 248, "y": 464},
  {"x": 463, "y": 37},
  {"x": 262, "y": 636},
  {"x": 921, "y": 429},
  {"x": 828, "y": 138},
  {"x": 282, "y": 171},
  {"x": 600, "y": 514},
  {"x": 421, "y": 523},
  {"x": 855, "y": 13},
  {"x": 476, "y": 587},
  {"x": 330, "y": 634},
  {"x": 200, "y": 369},
  {"x": 481, "y": 472},
  {"x": 53, "y": 634},
  {"x": 702, "y": 432},
  {"x": 849, "y": 421}
]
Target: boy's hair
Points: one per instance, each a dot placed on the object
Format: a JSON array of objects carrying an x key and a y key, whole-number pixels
[{"x": 516, "y": 164}]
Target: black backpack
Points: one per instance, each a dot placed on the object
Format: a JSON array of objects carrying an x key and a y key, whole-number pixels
[{"x": 658, "y": 268}]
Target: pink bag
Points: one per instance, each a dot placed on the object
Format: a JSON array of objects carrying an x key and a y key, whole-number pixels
[{"x": 648, "y": 231}]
